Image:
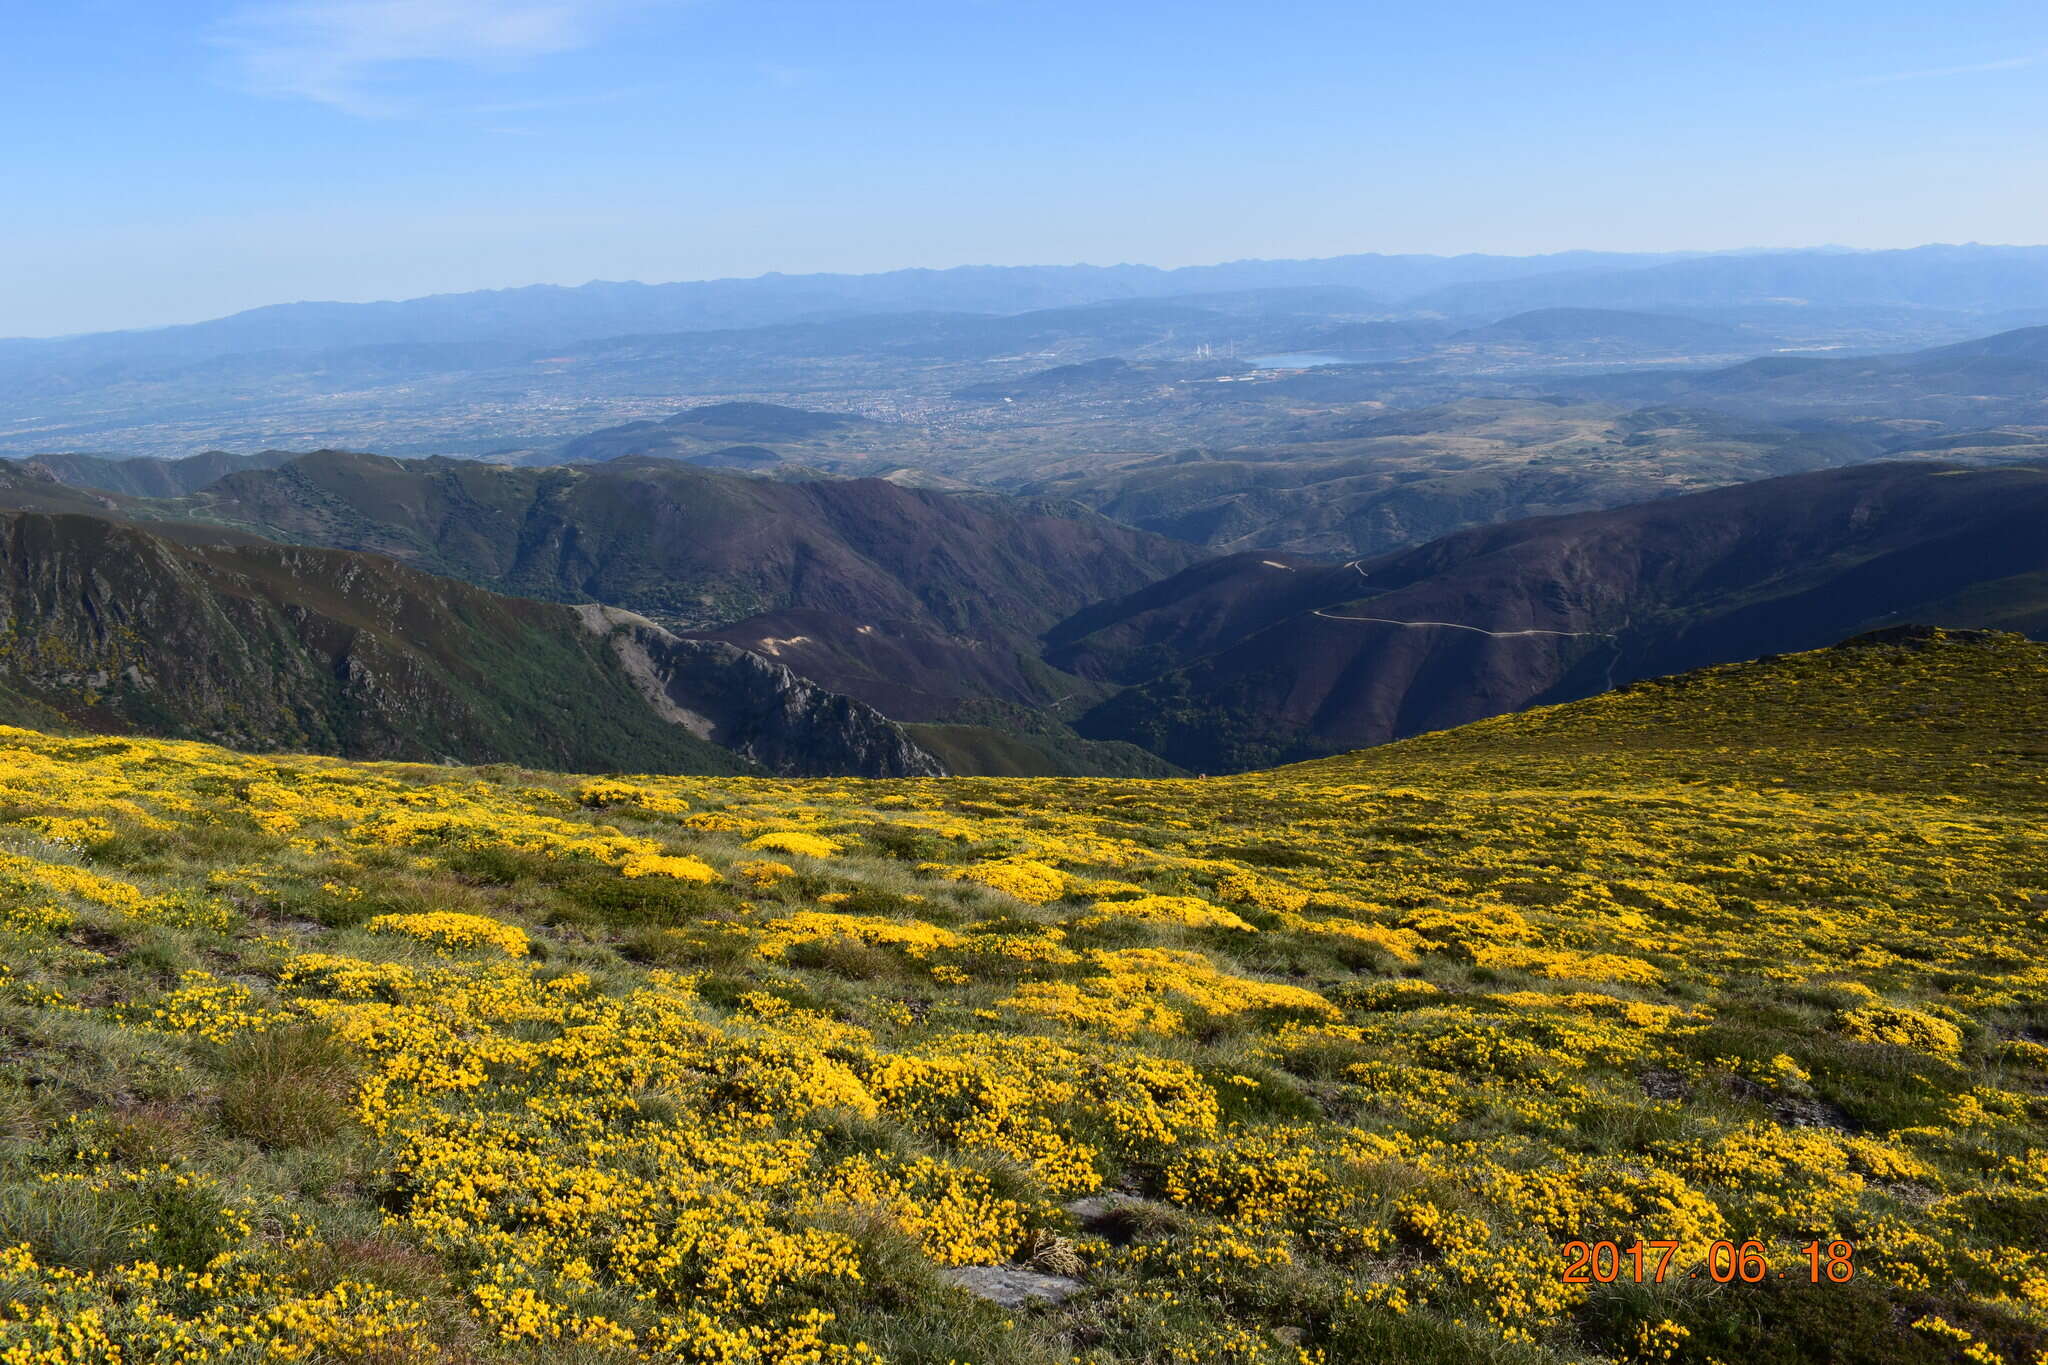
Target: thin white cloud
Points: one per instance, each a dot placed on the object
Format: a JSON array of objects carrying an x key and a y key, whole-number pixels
[
  {"x": 1938, "y": 72},
  {"x": 355, "y": 54}
]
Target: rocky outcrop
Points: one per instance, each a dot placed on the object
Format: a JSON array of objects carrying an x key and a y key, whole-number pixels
[
  {"x": 755, "y": 707},
  {"x": 112, "y": 627}
]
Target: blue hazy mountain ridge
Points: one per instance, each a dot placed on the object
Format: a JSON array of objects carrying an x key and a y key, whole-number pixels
[
  {"x": 615, "y": 308},
  {"x": 1970, "y": 278}
]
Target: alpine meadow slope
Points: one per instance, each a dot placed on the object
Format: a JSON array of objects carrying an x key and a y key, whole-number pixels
[{"x": 317, "y": 1060}]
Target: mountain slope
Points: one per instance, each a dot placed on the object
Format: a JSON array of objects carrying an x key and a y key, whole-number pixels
[
  {"x": 312, "y": 1060},
  {"x": 1592, "y": 330},
  {"x": 1257, "y": 663},
  {"x": 817, "y": 574},
  {"x": 711, "y": 429},
  {"x": 269, "y": 646},
  {"x": 694, "y": 547}
]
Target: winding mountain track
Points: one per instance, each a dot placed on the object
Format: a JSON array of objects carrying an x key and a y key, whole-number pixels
[{"x": 1453, "y": 625}]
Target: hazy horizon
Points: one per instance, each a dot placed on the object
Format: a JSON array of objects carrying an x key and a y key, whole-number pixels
[
  {"x": 194, "y": 161},
  {"x": 1649, "y": 253}
]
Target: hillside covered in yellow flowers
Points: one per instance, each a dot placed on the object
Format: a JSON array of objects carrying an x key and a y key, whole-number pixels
[{"x": 312, "y": 1060}]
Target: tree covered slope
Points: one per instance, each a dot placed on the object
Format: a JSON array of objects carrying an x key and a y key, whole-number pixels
[{"x": 318, "y": 1060}]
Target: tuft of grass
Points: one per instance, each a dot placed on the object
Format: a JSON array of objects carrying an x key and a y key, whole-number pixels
[{"x": 285, "y": 1087}]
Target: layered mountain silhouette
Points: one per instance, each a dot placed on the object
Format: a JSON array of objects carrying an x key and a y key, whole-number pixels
[
  {"x": 797, "y": 625},
  {"x": 1260, "y": 658}
]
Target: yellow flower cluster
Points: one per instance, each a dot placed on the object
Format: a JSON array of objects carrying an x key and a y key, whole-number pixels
[
  {"x": 1321, "y": 1064},
  {"x": 1190, "y": 912},
  {"x": 451, "y": 929},
  {"x": 682, "y": 869},
  {"x": 800, "y": 842},
  {"x": 1903, "y": 1028},
  {"x": 1027, "y": 879}
]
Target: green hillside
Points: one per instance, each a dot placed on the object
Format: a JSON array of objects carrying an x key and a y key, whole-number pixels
[{"x": 315, "y": 1060}]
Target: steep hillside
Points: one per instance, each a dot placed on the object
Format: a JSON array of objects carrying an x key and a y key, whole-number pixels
[
  {"x": 1255, "y": 660},
  {"x": 911, "y": 599},
  {"x": 261, "y": 646},
  {"x": 699, "y": 548},
  {"x": 1345, "y": 1062}
]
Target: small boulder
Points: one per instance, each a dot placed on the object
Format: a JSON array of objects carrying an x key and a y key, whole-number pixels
[{"x": 1012, "y": 1286}]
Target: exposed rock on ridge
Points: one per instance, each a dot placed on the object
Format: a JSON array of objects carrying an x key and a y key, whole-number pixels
[{"x": 755, "y": 707}]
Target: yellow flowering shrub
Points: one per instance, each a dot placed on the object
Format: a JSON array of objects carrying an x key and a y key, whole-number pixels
[
  {"x": 1334, "y": 1063},
  {"x": 632, "y": 797},
  {"x": 761, "y": 874},
  {"x": 450, "y": 929},
  {"x": 1249, "y": 888},
  {"x": 1903, "y": 1028},
  {"x": 795, "y": 841},
  {"x": 682, "y": 869},
  {"x": 1027, "y": 879},
  {"x": 1189, "y": 912}
]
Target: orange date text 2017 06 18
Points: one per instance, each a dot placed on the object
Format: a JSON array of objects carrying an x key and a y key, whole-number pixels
[{"x": 1726, "y": 1263}]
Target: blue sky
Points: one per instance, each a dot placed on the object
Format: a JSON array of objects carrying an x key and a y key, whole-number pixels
[{"x": 168, "y": 162}]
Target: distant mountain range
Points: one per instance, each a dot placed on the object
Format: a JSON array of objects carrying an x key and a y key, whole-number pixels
[
  {"x": 603, "y": 309},
  {"x": 1967, "y": 278},
  {"x": 467, "y": 373}
]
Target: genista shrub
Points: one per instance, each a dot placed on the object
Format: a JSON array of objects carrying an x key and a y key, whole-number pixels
[{"x": 320, "y": 1061}]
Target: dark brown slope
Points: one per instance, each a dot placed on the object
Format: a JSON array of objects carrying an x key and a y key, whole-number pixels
[
  {"x": 698, "y": 548},
  {"x": 115, "y": 628},
  {"x": 904, "y": 670},
  {"x": 1496, "y": 619},
  {"x": 909, "y": 599}
]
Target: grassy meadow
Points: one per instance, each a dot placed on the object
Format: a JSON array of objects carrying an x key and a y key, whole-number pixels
[{"x": 313, "y": 1060}]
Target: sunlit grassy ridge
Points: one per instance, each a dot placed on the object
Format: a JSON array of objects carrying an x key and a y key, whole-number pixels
[{"x": 312, "y": 1060}]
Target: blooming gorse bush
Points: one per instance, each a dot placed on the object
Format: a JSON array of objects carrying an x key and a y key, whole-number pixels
[{"x": 321, "y": 1061}]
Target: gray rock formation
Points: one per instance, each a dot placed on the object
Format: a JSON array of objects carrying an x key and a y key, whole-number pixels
[
  {"x": 1012, "y": 1286},
  {"x": 755, "y": 707}
]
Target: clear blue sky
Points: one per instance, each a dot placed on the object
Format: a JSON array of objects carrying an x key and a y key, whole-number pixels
[{"x": 168, "y": 162}]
